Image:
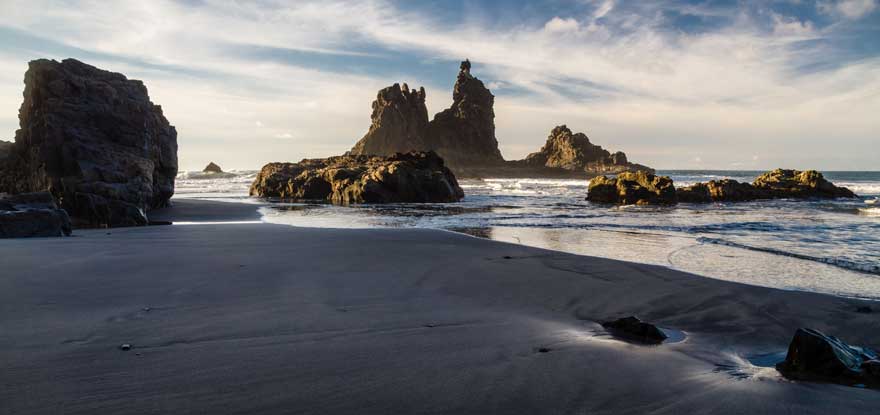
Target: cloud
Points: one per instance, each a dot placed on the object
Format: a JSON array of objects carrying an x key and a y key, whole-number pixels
[
  {"x": 850, "y": 9},
  {"x": 558, "y": 24},
  {"x": 629, "y": 74}
]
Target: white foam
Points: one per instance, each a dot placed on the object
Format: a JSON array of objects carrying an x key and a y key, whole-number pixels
[{"x": 874, "y": 211}]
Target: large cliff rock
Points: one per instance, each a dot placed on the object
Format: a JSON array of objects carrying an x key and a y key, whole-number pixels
[
  {"x": 416, "y": 177},
  {"x": 632, "y": 188},
  {"x": 95, "y": 141},
  {"x": 463, "y": 135},
  {"x": 574, "y": 151},
  {"x": 776, "y": 184}
]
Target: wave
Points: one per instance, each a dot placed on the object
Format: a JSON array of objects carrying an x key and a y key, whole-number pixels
[
  {"x": 871, "y": 201},
  {"x": 837, "y": 262},
  {"x": 199, "y": 175},
  {"x": 873, "y": 211}
]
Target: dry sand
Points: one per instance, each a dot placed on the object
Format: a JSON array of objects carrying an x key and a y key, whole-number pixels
[{"x": 260, "y": 318}]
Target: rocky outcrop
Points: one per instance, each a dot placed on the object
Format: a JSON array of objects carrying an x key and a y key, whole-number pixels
[
  {"x": 32, "y": 215},
  {"x": 399, "y": 123},
  {"x": 95, "y": 141},
  {"x": 634, "y": 329},
  {"x": 815, "y": 356},
  {"x": 782, "y": 183},
  {"x": 632, "y": 188},
  {"x": 212, "y": 168},
  {"x": 574, "y": 151},
  {"x": 416, "y": 177},
  {"x": 776, "y": 184},
  {"x": 463, "y": 135}
]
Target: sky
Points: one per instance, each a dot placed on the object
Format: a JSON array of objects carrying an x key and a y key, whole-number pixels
[{"x": 676, "y": 84}]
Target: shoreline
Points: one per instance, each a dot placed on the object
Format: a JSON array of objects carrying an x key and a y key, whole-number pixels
[{"x": 264, "y": 318}]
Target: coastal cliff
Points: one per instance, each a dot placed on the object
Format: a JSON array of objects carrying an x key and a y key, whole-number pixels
[{"x": 95, "y": 141}]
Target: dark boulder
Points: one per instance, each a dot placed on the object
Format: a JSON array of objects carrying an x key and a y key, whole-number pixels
[
  {"x": 32, "y": 215},
  {"x": 212, "y": 168},
  {"x": 633, "y": 328},
  {"x": 632, "y": 188},
  {"x": 95, "y": 141},
  {"x": 815, "y": 356},
  {"x": 574, "y": 151},
  {"x": 696, "y": 193},
  {"x": 417, "y": 177}
]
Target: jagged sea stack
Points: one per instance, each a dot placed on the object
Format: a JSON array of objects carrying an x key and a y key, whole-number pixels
[
  {"x": 463, "y": 135},
  {"x": 400, "y": 123},
  {"x": 95, "y": 141}
]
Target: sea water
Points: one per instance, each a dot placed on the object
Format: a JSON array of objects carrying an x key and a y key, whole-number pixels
[{"x": 829, "y": 246}]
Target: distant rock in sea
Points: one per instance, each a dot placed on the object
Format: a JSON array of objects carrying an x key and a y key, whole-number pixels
[
  {"x": 95, "y": 141},
  {"x": 212, "y": 168},
  {"x": 416, "y": 177},
  {"x": 32, "y": 215},
  {"x": 632, "y": 188},
  {"x": 464, "y": 136},
  {"x": 575, "y": 152}
]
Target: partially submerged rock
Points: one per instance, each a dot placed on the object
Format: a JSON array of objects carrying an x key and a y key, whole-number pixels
[
  {"x": 212, "y": 168},
  {"x": 417, "y": 177},
  {"x": 633, "y": 328},
  {"x": 776, "y": 184},
  {"x": 574, "y": 151},
  {"x": 782, "y": 183},
  {"x": 95, "y": 141},
  {"x": 32, "y": 215},
  {"x": 632, "y": 188},
  {"x": 815, "y": 356}
]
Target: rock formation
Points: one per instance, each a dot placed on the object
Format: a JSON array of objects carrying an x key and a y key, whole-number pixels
[
  {"x": 32, "y": 215},
  {"x": 95, "y": 141},
  {"x": 633, "y": 328},
  {"x": 400, "y": 123},
  {"x": 416, "y": 177},
  {"x": 464, "y": 136},
  {"x": 632, "y": 188},
  {"x": 815, "y": 356},
  {"x": 776, "y": 184},
  {"x": 574, "y": 151},
  {"x": 212, "y": 168}
]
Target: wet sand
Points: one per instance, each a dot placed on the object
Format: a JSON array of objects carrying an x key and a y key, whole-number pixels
[{"x": 261, "y": 318}]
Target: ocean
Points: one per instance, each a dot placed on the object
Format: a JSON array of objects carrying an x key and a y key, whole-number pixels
[{"x": 828, "y": 246}]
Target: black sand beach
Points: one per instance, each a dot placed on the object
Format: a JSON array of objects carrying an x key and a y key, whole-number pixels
[{"x": 260, "y": 318}]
